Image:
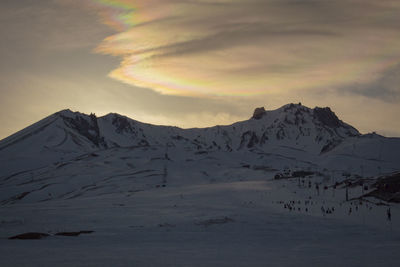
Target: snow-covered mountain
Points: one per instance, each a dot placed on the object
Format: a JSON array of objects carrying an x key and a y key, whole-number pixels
[
  {"x": 292, "y": 185},
  {"x": 313, "y": 130},
  {"x": 71, "y": 144}
]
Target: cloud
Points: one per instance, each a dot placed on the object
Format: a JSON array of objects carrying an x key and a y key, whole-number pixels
[
  {"x": 57, "y": 25},
  {"x": 386, "y": 87},
  {"x": 207, "y": 48}
]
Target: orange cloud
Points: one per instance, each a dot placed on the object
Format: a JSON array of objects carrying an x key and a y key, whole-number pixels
[{"x": 247, "y": 48}]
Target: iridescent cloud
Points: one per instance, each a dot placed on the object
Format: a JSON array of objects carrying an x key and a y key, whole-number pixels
[{"x": 255, "y": 47}]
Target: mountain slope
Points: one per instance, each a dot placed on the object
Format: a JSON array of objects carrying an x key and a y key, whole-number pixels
[{"x": 70, "y": 154}]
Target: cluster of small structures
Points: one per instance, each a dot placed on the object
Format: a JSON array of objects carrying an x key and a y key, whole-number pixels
[
  {"x": 291, "y": 205},
  {"x": 355, "y": 206},
  {"x": 386, "y": 188}
]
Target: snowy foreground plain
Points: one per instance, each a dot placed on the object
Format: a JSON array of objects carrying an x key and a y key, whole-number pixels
[
  {"x": 164, "y": 196},
  {"x": 229, "y": 223}
]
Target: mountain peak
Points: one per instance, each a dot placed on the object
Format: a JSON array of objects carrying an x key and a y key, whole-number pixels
[
  {"x": 65, "y": 112},
  {"x": 327, "y": 117},
  {"x": 258, "y": 113}
]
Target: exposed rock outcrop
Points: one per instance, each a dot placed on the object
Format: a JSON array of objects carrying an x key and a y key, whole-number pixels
[{"x": 258, "y": 113}]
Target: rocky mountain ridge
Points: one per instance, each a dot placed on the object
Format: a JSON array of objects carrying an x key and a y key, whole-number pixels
[{"x": 315, "y": 130}]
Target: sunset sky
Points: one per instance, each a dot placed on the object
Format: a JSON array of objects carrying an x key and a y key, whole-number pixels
[{"x": 196, "y": 63}]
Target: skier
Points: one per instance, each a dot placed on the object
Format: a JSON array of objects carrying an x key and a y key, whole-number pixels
[{"x": 389, "y": 214}]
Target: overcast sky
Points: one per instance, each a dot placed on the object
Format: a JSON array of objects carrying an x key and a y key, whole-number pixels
[{"x": 195, "y": 63}]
